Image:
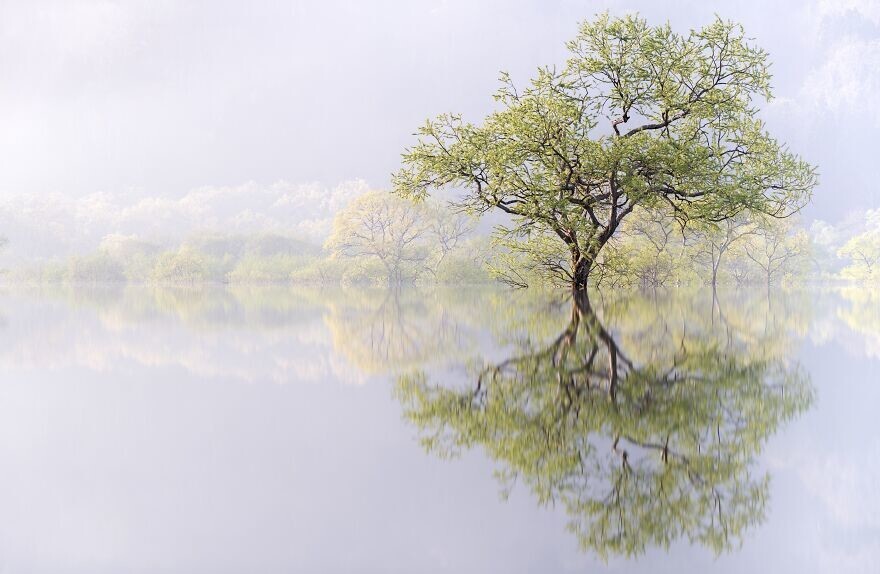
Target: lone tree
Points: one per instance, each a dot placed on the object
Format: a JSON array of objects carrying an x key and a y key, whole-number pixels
[{"x": 639, "y": 116}]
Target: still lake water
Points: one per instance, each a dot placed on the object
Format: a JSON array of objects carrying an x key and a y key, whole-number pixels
[{"x": 349, "y": 430}]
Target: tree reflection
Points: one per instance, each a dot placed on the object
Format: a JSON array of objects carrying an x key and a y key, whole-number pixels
[
  {"x": 642, "y": 447},
  {"x": 862, "y": 313},
  {"x": 384, "y": 331}
]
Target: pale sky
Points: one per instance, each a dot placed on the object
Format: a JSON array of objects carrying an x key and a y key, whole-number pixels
[{"x": 165, "y": 97}]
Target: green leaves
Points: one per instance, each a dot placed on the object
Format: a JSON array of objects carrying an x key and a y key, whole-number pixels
[
  {"x": 639, "y": 116},
  {"x": 642, "y": 443}
]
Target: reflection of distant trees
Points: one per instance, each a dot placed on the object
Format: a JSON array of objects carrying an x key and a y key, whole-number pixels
[
  {"x": 386, "y": 330},
  {"x": 862, "y": 312},
  {"x": 202, "y": 307},
  {"x": 646, "y": 431}
]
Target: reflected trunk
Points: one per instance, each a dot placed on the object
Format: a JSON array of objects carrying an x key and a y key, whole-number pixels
[{"x": 603, "y": 429}]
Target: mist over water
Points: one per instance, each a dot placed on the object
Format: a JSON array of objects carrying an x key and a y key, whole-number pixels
[
  {"x": 221, "y": 428},
  {"x": 251, "y": 322}
]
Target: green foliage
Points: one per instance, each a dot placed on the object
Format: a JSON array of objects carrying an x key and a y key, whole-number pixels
[
  {"x": 464, "y": 267},
  {"x": 531, "y": 261},
  {"x": 136, "y": 256},
  {"x": 644, "y": 438},
  {"x": 778, "y": 250},
  {"x": 406, "y": 240},
  {"x": 267, "y": 269},
  {"x": 186, "y": 266},
  {"x": 319, "y": 271},
  {"x": 863, "y": 255},
  {"x": 219, "y": 245},
  {"x": 372, "y": 272},
  {"x": 862, "y": 314},
  {"x": 381, "y": 230},
  {"x": 696, "y": 146},
  {"x": 49, "y": 272},
  {"x": 98, "y": 268},
  {"x": 649, "y": 252}
]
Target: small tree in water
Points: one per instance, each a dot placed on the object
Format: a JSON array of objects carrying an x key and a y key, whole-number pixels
[{"x": 639, "y": 117}]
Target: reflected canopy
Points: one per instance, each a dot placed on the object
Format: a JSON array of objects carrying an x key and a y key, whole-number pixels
[{"x": 641, "y": 445}]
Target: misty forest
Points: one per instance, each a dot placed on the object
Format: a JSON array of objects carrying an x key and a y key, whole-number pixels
[{"x": 601, "y": 298}]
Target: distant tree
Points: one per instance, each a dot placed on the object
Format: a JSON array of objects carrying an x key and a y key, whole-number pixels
[
  {"x": 449, "y": 229},
  {"x": 741, "y": 267},
  {"x": 776, "y": 248},
  {"x": 183, "y": 266},
  {"x": 652, "y": 248},
  {"x": 124, "y": 247},
  {"x": 547, "y": 157},
  {"x": 135, "y": 255},
  {"x": 267, "y": 269},
  {"x": 404, "y": 238},
  {"x": 713, "y": 241},
  {"x": 863, "y": 252},
  {"x": 381, "y": 227},
  {"x": 825, "y": 242},
  {"x": 96, "y": 268}
]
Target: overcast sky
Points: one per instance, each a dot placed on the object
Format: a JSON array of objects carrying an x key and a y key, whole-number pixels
[{"x": 164, "y": 97}]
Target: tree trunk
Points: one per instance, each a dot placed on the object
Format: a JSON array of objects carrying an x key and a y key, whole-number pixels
[{"x": 581, "y": 266}]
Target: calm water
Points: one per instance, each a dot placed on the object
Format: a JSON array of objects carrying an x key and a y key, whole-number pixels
[{"x": 349, "y": 430}]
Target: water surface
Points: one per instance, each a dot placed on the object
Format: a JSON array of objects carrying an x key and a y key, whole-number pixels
[{"x": 214, "y": 429}]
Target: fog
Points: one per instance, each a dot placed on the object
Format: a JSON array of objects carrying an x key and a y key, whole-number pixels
[
  {"x": 213, "y": 429},
  {"x": 44, "y": 226},
  {"x": 225, "y": 347},
  {"x": 162, "y": 119}
]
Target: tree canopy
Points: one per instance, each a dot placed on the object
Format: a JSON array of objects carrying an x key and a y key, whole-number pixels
[
  {"x": 639, "y": 117},
  {"x": 863, "y": 251},
  {"x": 402, "y": 238}
]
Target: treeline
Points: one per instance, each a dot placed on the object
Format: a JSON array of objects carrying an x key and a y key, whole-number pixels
[
  {"x": 655, "y": 249},
  {"x": 378, "y": 239},
  {"x": 198, "y": 259},
  {"x": 381, "y": 239},
  {"x": 236, "y": 259}
]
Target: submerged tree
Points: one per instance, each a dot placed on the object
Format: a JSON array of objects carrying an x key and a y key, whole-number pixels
[
  {"x": 377, "y": 226},
  {"x": 639, "y": 452},
  {"x": 403, "y": 238},
  {"x": 648, "y": 252},
  {"x": 714, "y": 241},
  {"x": 777, "y": 249},
  {"x": 639, "y": 116},
  {"x": 863, "y": 251}
]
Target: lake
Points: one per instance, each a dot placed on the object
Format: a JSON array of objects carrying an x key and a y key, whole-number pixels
[{"x": 231, "y": 429}]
